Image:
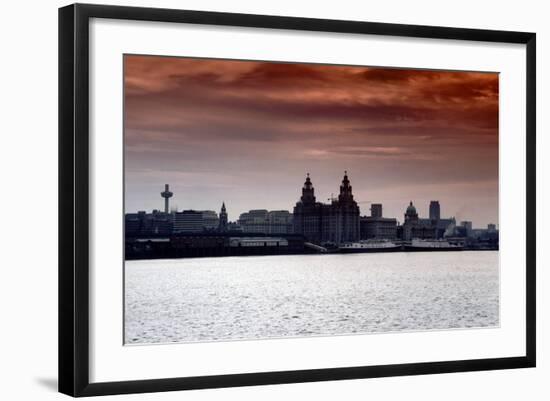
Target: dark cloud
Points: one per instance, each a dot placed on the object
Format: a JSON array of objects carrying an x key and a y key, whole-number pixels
[
  {"x": 201, "y": 122},
  {"x": 394, "y": 75}
]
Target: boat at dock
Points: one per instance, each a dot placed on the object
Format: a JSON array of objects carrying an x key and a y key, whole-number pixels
[
  {"x": 371, "y": 245},
  {"x": 435, "y": 245}
]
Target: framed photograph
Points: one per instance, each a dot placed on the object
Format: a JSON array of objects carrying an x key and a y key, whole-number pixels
[{"x": 250, "y": 199}]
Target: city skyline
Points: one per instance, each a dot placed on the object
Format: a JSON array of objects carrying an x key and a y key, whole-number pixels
[
  {"x": 328, "y": 201},
  {"x": 247, "y": 133}
]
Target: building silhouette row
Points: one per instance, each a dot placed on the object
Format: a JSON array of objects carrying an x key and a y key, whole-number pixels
[{"x": 320, "y": 223}]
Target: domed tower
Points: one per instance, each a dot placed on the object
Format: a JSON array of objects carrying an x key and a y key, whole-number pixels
[
  {"x": 410, "y": 214},
  {"x": 345, "y": 214},
  {"x": 308, "y": 193},
  {"x": 410, "y": 223},
  {"x": 307, "y": 214},
  {"x": 345, "y": 190}
]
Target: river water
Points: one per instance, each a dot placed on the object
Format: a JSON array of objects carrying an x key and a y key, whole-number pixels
[{"x": 208, "y": 299}]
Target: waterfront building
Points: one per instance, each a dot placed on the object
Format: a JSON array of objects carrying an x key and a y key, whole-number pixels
[
  {"x": 443, "y": 226},
  {"x": 413, "y": 227},
  {"x": 222, "y": 227},
  {"x": 280, "y": 222},
  {"x": 435, "y": 210},
  {"x": 376, "y": 210},
  {"x": 188, "y": 221},
  {"x": 410, "y": 222},
  {"x": 262, "y": 221},
  {"x": 134, "y": 222},
  {"x": 195, "y": 221},
  {"x": 491, "y": 233},
  {"x": 210, "y": 220},
  {"x": 233, "y": 226},
  {"x": 336, "y": 222},
  {"x": 142, "y": 223},
  {"x": 254, "y": 221},
  {"x": 376, "y": 226},
  {"x": 411, "y": 215},
  {"x": 460, "y": 231},
  {"x": 308, "y": 214},
  {"x": 468, "y": 227}
]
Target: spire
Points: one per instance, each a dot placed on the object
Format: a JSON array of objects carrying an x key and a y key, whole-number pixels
[
  {"x": 308, "y": 193},
  {"x": 223, "y": 219},
  {"x": 308, "y": 183},
  {"x": 345, "y": 189},
  {"x": 345, "y": 181}
]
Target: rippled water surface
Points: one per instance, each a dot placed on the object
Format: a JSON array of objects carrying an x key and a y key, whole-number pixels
[{"x": 278, "y": 296}]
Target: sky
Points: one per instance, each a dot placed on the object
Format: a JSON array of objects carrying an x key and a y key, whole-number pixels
[{"x": 247, "y": 132}]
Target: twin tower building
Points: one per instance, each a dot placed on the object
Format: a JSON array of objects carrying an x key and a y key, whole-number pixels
[{"x": 336, "y": 222}]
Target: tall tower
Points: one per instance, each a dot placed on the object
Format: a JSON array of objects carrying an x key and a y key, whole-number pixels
[
  {"x": 307, "y": 214},
  {"x": 345, "y": 190},
  {"x": 308, "y": 193},
  {"x": 376, "y": 210},
  {"x": 346, "y": 214},
  {"x": 223, "y": 219},
  {"x": 166, "y": 195},
  {"x": 435, "y": 211}
]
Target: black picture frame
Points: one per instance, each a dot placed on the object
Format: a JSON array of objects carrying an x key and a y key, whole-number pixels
[{"x": 74, "y": 198}]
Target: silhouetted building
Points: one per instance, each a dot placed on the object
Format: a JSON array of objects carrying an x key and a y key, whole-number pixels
[
  {"x": 188, "y": 221},
  {"x": 142, "y": 223},
  {"x": 410, "y": 222},
  {"x": 411, "y": 215},
  {"x": 441, "y": 225},
  {"x": 308, "y": 214},
  {"x": 435, "y": 210},
  {"x": 222, "y": 227},
  {"x": 376, "y": 210},
  {"x": 376, "y": 226},
  {"x": 262, "y": 221},
  {"x": 254, "y": 221},
  {"x": 468, "y": 227},
  {"x": 210, "y": 220},
  {"x": 234, "y": 227},
  {"x": 460, "y": 231},
  {"x": 280, "y": 222},
  {"x": 336, "y": 222},
  {"x": 491, "y": 227},
  {"x": 413, "y": 227},
  {"x": 483, "y": 238},
  {"x": 196, "y": 221}
]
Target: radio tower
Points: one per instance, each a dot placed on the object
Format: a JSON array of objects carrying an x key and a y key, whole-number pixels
[{"x": 166, "y": 195}]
